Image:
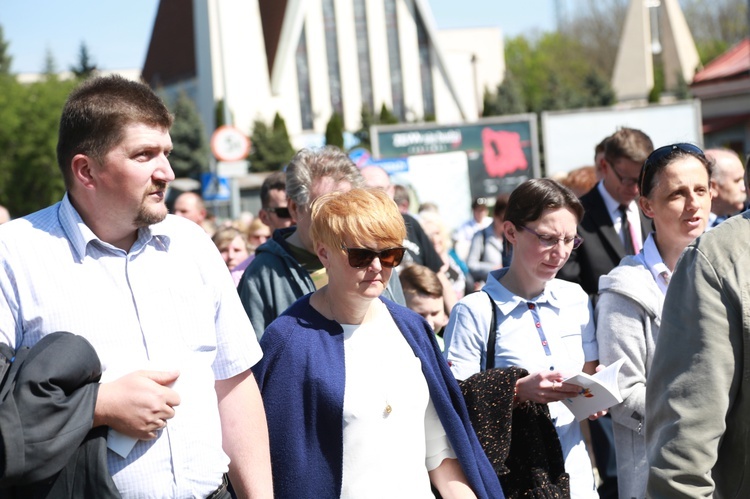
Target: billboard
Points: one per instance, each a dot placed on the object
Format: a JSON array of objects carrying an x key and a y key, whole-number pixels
[
  {"x": 502, "y": 152},
  {"x": 571, "y": 136}
]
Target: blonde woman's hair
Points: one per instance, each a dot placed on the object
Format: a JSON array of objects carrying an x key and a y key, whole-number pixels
[{"x": 358, "y": 217}]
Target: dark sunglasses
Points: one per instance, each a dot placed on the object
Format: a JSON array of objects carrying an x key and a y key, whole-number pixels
[
  {"x": 663, "y": 152},
  {"x": 280, "y": 212},
  {"x": 360, "y": 258}
]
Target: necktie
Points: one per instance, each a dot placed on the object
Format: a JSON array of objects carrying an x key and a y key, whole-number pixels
[{"x": 627, "y": 235}]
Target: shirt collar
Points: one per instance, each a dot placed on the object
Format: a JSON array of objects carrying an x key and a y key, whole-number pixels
[
  {"x": 613, "y": 207},
  {"x": 654, "y": 262},
  {"x": 80, "y": 235},
  {"x": 507, "y": 301}
]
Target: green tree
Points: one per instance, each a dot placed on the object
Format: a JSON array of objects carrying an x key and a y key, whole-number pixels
[
  {"x": 386, "y": 116},
  {"x": 220, "y": 117},
  {"x": 363, "y": 134},
  {"x": 29, "y": 176},
  {"x": 682, "y": 91},
  {"x": 10, "y": 117},
  {"x": 598, "y": 91},
  {"x": 5, "y": 57},
  {"x": 271, "y": 147},
  {"x": 554, "y": 72},
  {"x": 655, "y": 94},
  {"x": 335, "y": 131},
  {"x": 50, "y": 65},
  {"x": 85, "y": 66},
  {"x": 281, "y": 138},
  {"x": 507, "y": 100},
  {"x": 190, "y": 154}
]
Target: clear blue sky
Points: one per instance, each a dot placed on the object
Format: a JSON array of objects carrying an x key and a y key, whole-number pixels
[{"x": 117, "y": 32}]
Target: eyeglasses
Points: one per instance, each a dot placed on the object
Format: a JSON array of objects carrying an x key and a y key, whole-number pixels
[
  {"x": 281, "y": 212},
  {"x": 360, "y": 258},
  {"x": 660, "y": 154},
  {"x": 626, "y": 181},
  {"x": 547, "y": 241}
]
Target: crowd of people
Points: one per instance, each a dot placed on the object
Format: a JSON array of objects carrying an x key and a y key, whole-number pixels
[{"x": 340, "y": 344}]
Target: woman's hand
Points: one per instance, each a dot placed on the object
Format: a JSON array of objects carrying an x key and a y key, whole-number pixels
[
  {"x": 544, "y": 387},
  {"x": 597, "y": 415}
]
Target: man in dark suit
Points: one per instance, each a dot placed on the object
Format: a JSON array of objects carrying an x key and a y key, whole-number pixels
[
  {"x": 609, "y": 235},
  {"x": 612, "y": 227}
]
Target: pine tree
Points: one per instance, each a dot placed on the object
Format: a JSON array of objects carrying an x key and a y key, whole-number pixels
[
  {"x": 386, "y": 116},
  {"x": 219, "y": 114},
  {"x": 507, "y": 100},
  {"x": 281, "y": 134},
  {"x": 85, "y": 67},
  {"x": 335, "y": 131},
  {"x": 190, "y": 153},
  {"x": 555, "y": 97},
  {"x": 363, "y": 134},
  {"x": 598, "y": 92},
  {"x": 50, "y": 65},
  {"x": 682, "y": 91},
  {"x": 5, "y": 57},
  {"x": 655, "y": 93},
  {"x": 271, "y": 147}
]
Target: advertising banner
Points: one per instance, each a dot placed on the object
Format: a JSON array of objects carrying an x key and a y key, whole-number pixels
[{"x": 502, "y": 152}]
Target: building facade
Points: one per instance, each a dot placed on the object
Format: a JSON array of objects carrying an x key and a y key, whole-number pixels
[{"x": 308, "y": 59}]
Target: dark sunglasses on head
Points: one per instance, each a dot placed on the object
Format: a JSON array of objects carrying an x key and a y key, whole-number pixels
[
  {"x": 360, "y": 258},
  {"x": 280, "y": 212},
  {"x": 662, "y": 152}
]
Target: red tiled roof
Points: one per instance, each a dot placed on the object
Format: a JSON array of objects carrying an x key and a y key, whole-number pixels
[
  {"x": 711, "y": 125},
  {"x": 733, "y": 62}
]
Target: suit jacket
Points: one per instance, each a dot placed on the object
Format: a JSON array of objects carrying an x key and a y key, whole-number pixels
[
  {"x": 602, "y": 248},
  {"x": 47, "y": 398}
]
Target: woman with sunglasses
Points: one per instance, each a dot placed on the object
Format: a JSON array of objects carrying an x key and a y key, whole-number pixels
[
  {"x": 359, "y": 400},
  {"x": 542, "y": 325},
  {"x": 675, "y": 193}
]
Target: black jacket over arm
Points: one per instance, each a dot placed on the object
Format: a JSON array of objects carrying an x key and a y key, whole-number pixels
[{"x": 47, "y": 399}]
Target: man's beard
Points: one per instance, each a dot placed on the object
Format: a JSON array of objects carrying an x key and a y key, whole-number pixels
[{"x": 147, "y": 214}]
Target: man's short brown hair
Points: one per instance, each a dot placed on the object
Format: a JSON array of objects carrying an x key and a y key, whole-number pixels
[
  {"x": 628, "y": 143},
  {"x": 96, "y": 114}
]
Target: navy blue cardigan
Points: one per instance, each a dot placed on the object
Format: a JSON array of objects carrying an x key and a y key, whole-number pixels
[{"x": 301, "y": 377}]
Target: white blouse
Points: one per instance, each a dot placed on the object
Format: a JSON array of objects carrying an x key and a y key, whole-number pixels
[{"x": 392, "y": 433}]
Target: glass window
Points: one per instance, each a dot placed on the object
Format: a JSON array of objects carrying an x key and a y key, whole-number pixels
[
  {"x": 363, "y": 54},
  {"x": 303, "y": 82},
  {"x": 394, "y": 59},
  {"x": 332, "y": 52},
  {"x": 425, "y": 67}
]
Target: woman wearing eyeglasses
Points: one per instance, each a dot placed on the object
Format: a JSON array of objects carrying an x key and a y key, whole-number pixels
[
  {"x": 543, "y": 325},
  {"x": 675, "y": 194},
  {"x": 358, "y": 399}
]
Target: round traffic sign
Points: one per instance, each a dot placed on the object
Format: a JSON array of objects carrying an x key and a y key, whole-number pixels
[{"x": 228, "y": 143}]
